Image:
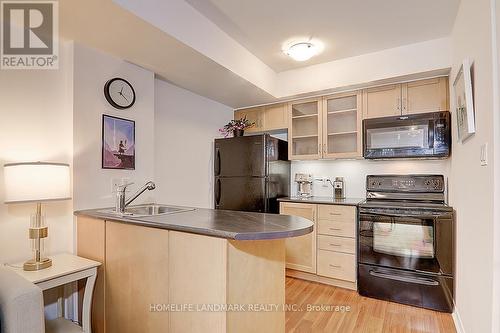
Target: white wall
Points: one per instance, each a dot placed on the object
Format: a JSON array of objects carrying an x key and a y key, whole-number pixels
[
  {"x": 36, "y": 125},
  {"x": 92, "y": 68},
  {"x": 186, "y": 125},
  {"x": 472, "y": 185},
  {"x": 399, "y": 61},
  {"x": 355, "y": 172}
]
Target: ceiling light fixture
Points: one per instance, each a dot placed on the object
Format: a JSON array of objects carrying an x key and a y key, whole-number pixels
[{"x": 302, "y": 51}]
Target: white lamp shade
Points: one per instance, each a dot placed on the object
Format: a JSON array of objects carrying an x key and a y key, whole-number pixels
[{"x": 36, "y": 182}]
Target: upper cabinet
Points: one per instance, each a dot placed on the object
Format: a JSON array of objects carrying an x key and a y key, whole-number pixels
[
  {"x": 420, "y": 96},
  {"x": 275, "y": 117},
  {"x": 266, "y": 118},
  {"x": 327, "y": 127},
  {"x": 330, "y": 127},
  {"x": 304, "y": 133},
  {"x": 255, "y": 115},
  {"x": 425, "y": 96},
  {"x": 382, "y": 101},
  {"x": 342, "y": 125}
]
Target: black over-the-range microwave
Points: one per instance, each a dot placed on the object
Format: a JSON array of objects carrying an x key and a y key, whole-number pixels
[{"x": 424, "y": 135}]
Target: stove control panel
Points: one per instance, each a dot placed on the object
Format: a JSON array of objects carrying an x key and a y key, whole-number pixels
[{"x": 405, "y": 183}]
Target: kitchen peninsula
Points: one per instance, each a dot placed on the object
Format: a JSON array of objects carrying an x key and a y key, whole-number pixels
[{"x": 192, "y": 259}]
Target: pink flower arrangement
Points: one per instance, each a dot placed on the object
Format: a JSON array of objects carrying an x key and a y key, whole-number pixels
[{"x": 235, "y": 125}]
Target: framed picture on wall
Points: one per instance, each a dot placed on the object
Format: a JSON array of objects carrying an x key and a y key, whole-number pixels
[
  {"x": 118, "y": 143},
  {"x": 464, "y": 102}
]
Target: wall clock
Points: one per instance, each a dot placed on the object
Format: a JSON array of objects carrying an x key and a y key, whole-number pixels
[{"x": 119, "y": 93}]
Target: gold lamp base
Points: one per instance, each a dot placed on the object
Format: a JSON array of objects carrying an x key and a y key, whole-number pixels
[
  {"x": 37, "y": 232},
  {"x": 33, "y": 265}
]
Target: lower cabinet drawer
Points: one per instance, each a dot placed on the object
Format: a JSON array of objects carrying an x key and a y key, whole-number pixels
[
  {"x": 336, "y": 265},
  {"x": 334, "y": 228},
  {"x": 338, "y": 244}
]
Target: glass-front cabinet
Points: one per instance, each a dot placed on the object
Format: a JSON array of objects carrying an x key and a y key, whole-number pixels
[
  {"x": 327, "y": 127},
  {"x": 304, "y": 134},
  {"x": 342, "y": 125}
]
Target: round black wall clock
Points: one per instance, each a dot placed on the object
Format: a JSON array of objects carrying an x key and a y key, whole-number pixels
[{"x": 119, "y": 93}]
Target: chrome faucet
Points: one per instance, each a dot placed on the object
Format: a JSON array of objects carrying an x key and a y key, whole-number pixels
[{"x": 122, "y": 203}]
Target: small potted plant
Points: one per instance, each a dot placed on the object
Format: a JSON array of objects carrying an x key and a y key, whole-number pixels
[{"x": 236, "y": 127}]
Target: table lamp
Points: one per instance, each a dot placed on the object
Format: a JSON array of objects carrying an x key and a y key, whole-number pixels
[{"x": 36, "y": 182}]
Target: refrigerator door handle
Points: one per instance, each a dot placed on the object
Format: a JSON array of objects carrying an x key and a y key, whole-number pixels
[
  {"x": 217, "y": 193},
  {"x": 217, "y": 161}
]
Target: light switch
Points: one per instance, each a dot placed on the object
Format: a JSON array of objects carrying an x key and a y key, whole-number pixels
[{"x": 484, "y": 154}]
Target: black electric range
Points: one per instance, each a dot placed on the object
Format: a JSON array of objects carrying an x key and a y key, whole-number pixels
[{"x": 406, "y": 241}]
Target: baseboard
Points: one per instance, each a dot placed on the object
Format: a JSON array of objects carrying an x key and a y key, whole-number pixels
[{"x": 458, "y": 321}]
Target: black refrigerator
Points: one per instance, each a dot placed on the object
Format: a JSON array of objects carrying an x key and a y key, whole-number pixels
[{"x": 251, "y": 173}]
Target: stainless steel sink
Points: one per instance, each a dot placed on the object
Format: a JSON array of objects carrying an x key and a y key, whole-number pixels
[{"x": 149, "y": 210}]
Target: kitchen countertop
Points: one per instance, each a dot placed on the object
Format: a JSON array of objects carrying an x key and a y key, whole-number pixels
[
  {"x": 216, "y": 223},
  {"x": 324, "y": 200}
]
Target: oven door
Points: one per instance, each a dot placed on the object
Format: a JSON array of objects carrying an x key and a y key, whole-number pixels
[{"x": 419, "y": 243}]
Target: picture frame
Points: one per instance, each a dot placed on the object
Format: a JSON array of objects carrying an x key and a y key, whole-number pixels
[
  {"x": 118, "y": 143},
  {"x": 464, "y": 102}
]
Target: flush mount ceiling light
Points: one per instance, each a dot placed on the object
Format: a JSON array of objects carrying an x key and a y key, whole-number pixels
[{"x": 302, "y": 51}]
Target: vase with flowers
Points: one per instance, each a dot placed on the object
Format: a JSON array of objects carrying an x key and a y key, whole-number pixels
[{"x": 236, "y": 127}]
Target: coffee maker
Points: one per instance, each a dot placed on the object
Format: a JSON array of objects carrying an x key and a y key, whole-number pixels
[
  {"x": 304, "y": 184},
  {"x": 339, "y": 188}
]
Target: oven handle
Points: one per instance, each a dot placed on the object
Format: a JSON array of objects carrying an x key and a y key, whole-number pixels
[
  {"x": 424, "y": 216},
  {"x": 422, "y": 281}
]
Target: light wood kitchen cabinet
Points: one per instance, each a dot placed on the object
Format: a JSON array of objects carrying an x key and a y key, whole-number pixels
[
  {"x": 255, "y": 115},
  {"x": 304, "y": 133},
  {"x": 144, "y": 270},
  {"x": 335, "y": 250},
  {"x": 425, "y": 96},
  {"x": 137, "y": 260},
  {"x": 382, "y": 101},
  {"x": 275, "y": 117},
  {"x": 342, "y": 125},
  {"x": 266, "y": 118},
  {"x": 326, "y": 128},
  {"x": 421, "y": 96},
  {"x": 301, "y": 251}
]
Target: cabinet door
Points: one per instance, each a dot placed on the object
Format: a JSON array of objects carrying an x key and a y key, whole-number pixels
[
  {"x": 301, "y": 251},
  {"x": 275, "y": 117},
  {"x": 254, "y": 115},
  {"x": 304, "y": 132},
  {"x": 382, "y": 101},
  {"x": 136, "y": 277},
  {"x": 342, "y": 125},
  {"x": 423, "y": 96}
]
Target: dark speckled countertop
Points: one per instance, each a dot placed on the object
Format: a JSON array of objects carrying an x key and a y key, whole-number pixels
[
  {"x": 216, "y": 223},
  {"x": 324, "y": 200}
]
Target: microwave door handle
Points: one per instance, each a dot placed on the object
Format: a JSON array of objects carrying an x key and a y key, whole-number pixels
[
  {"x": 408, "y": 279},
  {"x": 432, "y": 128}
]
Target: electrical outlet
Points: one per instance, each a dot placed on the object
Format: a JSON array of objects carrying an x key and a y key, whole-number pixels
[{"x": 484, "y": 154}]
